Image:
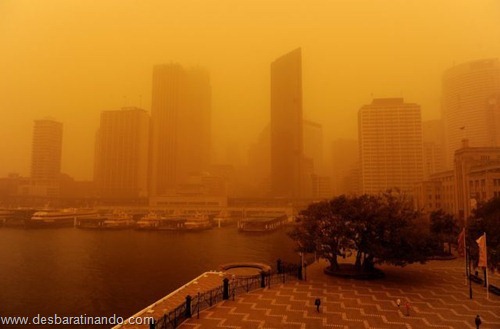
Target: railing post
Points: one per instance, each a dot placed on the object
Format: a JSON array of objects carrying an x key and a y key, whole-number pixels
[
  {"x": 152, "y": 325},
  {"x": 262, "y": 279},
  {"x": 225, "y": 292},
  {"x": 299, "y": 272},
  {"x": 188, "y": 307},
  {"x": 278, "y": 265},
  {"x": 199, "y": 302}
]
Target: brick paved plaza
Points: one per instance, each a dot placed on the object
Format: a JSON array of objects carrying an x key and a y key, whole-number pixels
[{"x": 436, "y": 292}]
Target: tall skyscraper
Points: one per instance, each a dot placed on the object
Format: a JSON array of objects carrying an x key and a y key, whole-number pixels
[
  {"x": 180, "y": 126},
  {"x": 471, "y": 105},
  {"x": 287, "y": 160},
  {"x": 46, "y": 151},
  {"x": 121, "y": 155},
  {"x": 390, "y": 141}
]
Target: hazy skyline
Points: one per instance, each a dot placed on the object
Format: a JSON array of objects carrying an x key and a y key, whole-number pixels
[{"x": 70, "y": 60}]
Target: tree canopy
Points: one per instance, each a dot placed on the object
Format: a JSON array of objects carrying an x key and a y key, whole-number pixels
[
  {"x": 374, "y": 228},
  {"x": 444, "y": 227}
]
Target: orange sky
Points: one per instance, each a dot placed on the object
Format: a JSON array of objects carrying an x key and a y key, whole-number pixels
[{"x": 71, "y": 59}]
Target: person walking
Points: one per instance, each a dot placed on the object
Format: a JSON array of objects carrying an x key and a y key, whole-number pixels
[
  {"x": 407, "y": 309},
  {"x": 317, "y": 302},
  {"x": 478, "y": 321}
]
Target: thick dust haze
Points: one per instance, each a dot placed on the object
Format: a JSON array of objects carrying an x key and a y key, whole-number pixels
[{"x": 72, "y": 59}]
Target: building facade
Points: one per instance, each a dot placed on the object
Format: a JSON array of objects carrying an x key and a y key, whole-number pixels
[
  {"x": 390, "y": 144},
  {"x": 180, "y": 126},
  {"x": 46, "y": 156},
  {"x": 121, "y": 154},
  {"x": 287, "y": 154},
  {"x": 474, "y": 179},
  {"x": 471, "y": 166},
  {"x": 433, "y": 143},
  {"x": 471, "y": 105},
  {"x": 345, "y": 167}
]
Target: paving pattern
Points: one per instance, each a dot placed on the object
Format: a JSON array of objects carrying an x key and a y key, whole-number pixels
[{"x": 436, "y": 293}]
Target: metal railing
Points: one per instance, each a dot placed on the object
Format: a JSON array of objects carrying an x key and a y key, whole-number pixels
[{"x": 229, "y": 289}]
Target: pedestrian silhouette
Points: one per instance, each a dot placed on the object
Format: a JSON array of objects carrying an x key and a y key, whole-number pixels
[
  {"x": 477, "y": 321},
  {"x": 317, "y": 302},
  {"x": 398, "y": 301}
]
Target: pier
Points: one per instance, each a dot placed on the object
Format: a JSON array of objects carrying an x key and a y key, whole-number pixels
[{"x": 262, "y": 223}]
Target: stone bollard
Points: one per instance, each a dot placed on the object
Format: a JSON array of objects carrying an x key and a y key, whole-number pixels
[
  {"x": 225, "y": 292},
  {"x": 187, "y": 314}
]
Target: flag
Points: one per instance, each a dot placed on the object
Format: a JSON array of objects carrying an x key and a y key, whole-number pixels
[
  {"x": 483, "y": 258},
  {"x": 461, "y": 243}
]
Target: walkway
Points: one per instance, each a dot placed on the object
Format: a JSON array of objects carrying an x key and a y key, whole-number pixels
[
  {"x": 436, "y": 292},
  {"x": 205, "y": 282}
]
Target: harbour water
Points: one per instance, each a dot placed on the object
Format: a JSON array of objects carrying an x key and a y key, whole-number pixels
[{"x": 72, "y": 272}]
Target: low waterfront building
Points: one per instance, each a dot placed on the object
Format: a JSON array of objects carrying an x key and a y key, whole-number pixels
[{"x": 475, "y": 178}]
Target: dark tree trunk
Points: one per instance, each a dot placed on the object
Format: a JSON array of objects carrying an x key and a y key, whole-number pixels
[
  {"x": 334, "y": 264},
  {"x": 357, "y": 265},
  {"x": 368, "y": 265}
]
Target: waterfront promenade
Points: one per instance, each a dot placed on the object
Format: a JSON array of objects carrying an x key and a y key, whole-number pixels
[
  {"x": 205, "y": 282},
  {"x": 436, "y": 293}
]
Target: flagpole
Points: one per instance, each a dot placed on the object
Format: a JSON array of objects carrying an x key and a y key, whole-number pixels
[
  {"x": 468, "y": 267},
  {"x": 466, "y": 256},
  {"x": 486, "y": 270}
]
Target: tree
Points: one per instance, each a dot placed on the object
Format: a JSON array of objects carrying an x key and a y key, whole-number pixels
[
  {"x": 444, "y": 227},
  {"x": 376, "y": 228},
  {"x": 486, "y": 219}
]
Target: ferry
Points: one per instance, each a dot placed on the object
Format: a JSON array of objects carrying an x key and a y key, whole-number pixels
[
  {"x": 58, "y": 218},
  {"x": 156, "y": 222},
  {"x": 197, "y": 222},
  {"x": 118, "y": 220},
  {"x": 91, "y": 223}
]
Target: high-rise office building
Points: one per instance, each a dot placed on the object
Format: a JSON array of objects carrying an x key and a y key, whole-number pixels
[
  {"x": 313, "y": 144},
  {"x": 345, "y": 167},
  {"x": 46, "y": 158},
  {"x": 121, "y": 155},
  {"x": 287, "y": 160},
  {"x": 46, "y": 150},
  {"x": 180, "y": 126},
  {"x": 390, "y": 141},
  {"x": 471, "y": 105},
  {"x": 433, "y": 138}
]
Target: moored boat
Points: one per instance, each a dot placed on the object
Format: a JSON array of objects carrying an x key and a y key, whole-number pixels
[
  {"x": 197, "y": 222},
  {"x": 156, "y": 222},
  {"x": 118, "y": 220},
  {"x": 58, "y": 218}
]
